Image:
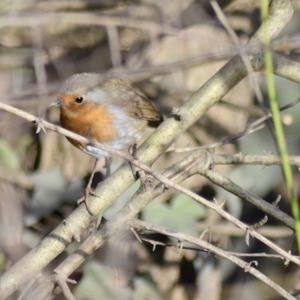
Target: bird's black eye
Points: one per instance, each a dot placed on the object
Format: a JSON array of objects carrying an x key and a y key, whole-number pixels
[{"x": 79, "y": 100}]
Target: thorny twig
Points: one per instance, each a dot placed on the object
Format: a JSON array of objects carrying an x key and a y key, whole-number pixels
[
  {"x": 63, "y": 284},
  {"x": 192, "y": 110},
  {"x": 248, "y": 267},
  {"x": 164, "y": 180}
]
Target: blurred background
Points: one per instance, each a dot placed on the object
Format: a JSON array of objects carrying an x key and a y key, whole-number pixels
[{"x": 168, "y": 49}]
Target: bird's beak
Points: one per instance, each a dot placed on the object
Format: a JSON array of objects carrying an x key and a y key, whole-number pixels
[{"x": 54, "y": 104}]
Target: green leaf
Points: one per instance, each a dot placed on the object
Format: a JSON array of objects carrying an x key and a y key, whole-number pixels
[
  {"x": 8, "y": 156},
  {"x": 2, "y": 261},
  {"x": 181, "y": 215},
  {"x": 145, "y": 290},
  {"x": 98, "y": 283}
]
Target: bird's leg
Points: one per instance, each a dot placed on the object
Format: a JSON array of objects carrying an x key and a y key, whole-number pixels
[
  {"x": 107, "y": 166},
  {"x": 39, "y": 125},
  {"x": 88, "y": 189},
  {"x": 132, "y": 149},
  {"x": 147, "y": 180}
]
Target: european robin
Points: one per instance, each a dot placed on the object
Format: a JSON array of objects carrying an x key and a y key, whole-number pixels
[{"x": 111, "y": 112}]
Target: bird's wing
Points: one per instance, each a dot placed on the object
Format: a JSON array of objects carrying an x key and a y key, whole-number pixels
[
  {"x": 142, "y": 108},
  {"x": 134, "y": 102}
]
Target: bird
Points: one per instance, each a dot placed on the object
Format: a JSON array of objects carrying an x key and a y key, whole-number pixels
[{"x": 111, "y": 112}]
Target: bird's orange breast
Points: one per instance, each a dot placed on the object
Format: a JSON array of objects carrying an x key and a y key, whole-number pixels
[{"x": 90, "y": 120}]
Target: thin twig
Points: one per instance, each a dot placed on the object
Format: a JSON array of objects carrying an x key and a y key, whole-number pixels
[
  {"x": 250, "y": 128},
  {"x": 273, "y": 232},
  {"x": 187, "y": 246},
  {"x": 63, "y": 284},
  {"x": 83, "y": 19},
  {"x": 258, "y": 202},
  {"x": 248, "y": 159},
  {"x": 140, "y": 225},
  {"x": 114, "y": 46},
  {"x": 252, "y": 77},
  {"x": 193, "y": 109}
]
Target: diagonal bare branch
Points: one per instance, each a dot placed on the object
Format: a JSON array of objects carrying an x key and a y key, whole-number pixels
[
  {"x": 140, "y": 225},
  {"x": 192, "y": 110}
]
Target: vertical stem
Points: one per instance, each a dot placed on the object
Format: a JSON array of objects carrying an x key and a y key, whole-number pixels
[{"x": 281, "y": 142}]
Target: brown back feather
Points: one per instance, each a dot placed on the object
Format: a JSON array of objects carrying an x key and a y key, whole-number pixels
[{"x": 136, "y": 104}]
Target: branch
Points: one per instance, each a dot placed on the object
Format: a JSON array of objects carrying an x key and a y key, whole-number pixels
[
  {"x": 192, "y": 110},
  {"x": 273, "y": 232},
  {"x": 82, "y": 19},
  {"x": 120, "y": 221},
  {"x": 53, "y": 244},
  {"x": 248, "y": 159},
  {"x": 24, "y": 180},
  {"x": 258, "y": 202},
  {"x": 247, "y": 267},
  {"x": 281, "y": 12}
]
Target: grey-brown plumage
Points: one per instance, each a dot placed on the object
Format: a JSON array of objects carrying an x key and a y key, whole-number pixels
[
  {"x": 80, "y": 83},
  {"x": 118, "y": 91},
  {"x": 110, "y": 111},
  {"x": 134, "y": 102}
]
